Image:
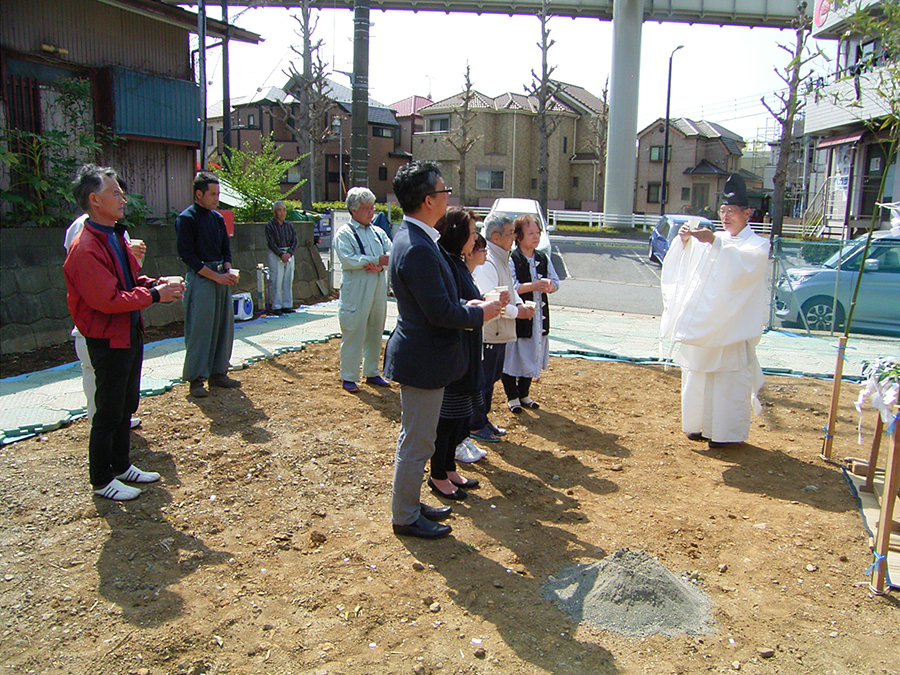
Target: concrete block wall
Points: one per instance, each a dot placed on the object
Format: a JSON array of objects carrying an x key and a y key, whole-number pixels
[{"x": 33, "y": 310}]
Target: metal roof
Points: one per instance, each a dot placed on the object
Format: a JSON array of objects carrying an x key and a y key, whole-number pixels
[
  {"x": 167, "y": 13},
  {"x": 768, "y": 13}
]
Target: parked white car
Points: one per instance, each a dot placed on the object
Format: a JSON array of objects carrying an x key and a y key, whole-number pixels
[{"x": 514, "y": 207}]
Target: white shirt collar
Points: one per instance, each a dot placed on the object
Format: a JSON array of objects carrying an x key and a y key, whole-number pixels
[{"x": 430, "y": 231}]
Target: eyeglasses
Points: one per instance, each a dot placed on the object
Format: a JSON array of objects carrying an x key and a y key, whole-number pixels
[
  {"x": 727, "y": 211},
  {"x": 448, "y": 191}
]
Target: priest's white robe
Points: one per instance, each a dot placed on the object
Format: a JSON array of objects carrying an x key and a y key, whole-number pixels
[{"x": 716, "y": 305}]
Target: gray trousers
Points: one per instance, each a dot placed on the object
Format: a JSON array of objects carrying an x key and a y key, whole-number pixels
[
  {"x": 419, "y": 413},
  {"x": 208, "y": 327}
]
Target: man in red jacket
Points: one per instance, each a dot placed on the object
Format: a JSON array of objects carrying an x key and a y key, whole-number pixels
[{"x": 106, "y": 293}]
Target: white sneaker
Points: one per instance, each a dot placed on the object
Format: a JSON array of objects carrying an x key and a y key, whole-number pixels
[
  {"x": 463, "y": 454},
  {"x": 118, "y": 492},
  {"x": 135, "y": 422},
  {"x": 135, "y": 475},
  {"x": 468, "y": 452},
  {"x": 478, "y": 453}
]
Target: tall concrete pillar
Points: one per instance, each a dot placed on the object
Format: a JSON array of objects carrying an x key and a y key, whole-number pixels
[
  {"x": 628, "y": 17},
  {"x": 359, "y": 111}
]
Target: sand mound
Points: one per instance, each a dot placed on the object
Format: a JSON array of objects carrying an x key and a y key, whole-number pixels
[{"x": 631, "y": 593}]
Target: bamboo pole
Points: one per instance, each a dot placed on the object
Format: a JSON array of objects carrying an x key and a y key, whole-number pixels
[
  {"x": 835, "y": 396},
  {"x": 886, "y": 520}
]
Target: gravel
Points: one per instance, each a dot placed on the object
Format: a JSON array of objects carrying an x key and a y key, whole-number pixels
[{"x": 631, "y": 593}]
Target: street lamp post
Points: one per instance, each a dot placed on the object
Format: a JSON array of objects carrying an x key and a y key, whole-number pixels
[
  {"x": 337, "y": 128},
  {"x": 664, "y": 190}
]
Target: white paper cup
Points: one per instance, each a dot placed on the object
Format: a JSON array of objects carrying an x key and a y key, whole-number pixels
[
  {"x": 529, "y": 303},
  {"x": 235, "y": 272},
  {"x": 492, "y": 296}
]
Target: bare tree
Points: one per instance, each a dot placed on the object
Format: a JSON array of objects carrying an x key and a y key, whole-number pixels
[
  {"x": 307, "y": 119},
  {"x": 790, "y": 104},
  {"x": 599, "y": 127},
  {"x": 462, "y": 139},
  {"x": 544, "y": 89}
]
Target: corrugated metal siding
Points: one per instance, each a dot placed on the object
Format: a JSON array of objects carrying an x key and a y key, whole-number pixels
[
  {"x": 162, "y": 173},
  {"x": 837, "y": 105},
  {"x": 96, "y": 35},
  {"x": 157, "y": 107}
]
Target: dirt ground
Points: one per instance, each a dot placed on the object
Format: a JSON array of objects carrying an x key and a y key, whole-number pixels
[{"x": 267, "y": 546}]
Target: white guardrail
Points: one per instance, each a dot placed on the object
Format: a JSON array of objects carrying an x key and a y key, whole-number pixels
[
  {"x": 646, "y": 222},
  {"x": 597, "y": 219}
]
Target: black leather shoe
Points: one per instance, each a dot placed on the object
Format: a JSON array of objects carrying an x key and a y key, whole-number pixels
[
  {"x": 457, "y": 495},
  {"x": 222, "y": 380},
  {"x": 718, "y": 445},
  {"x": 696, "y": 436},
  {"x": 423, "y": 529},
  {"x": 435, "y": 513},
  {"x": 468, "y": 483}
]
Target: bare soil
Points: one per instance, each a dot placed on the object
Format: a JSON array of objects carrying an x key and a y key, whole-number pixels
[{"x": 267, "y": 546}]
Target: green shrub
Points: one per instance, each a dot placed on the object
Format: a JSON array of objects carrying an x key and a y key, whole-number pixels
[
  {"x": 393, "y": 211},
  {"x": 256, "y": 177},
  {"x": 817, "y": 251}
]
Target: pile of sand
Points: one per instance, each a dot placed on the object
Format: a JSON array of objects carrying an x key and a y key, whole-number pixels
[{"x": 631, "y": 593}]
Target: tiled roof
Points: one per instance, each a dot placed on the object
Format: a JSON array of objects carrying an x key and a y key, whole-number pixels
[
  {"x": 567, "y": 98},
  {"x": 707, "y": 168},
  {"x": 343, "y": 96},
  {"x": 377, "y": 115},
  {"x": 704, "y": 128},
  {"x": 410, "y": 105}
]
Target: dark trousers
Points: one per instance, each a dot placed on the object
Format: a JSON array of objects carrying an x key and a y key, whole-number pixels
[
  {"x": 118, "y": 376},
  {"x": 516, "y": 387},
  {"x": 492, "y": 363},
  {"x": 450, "y": 433}
]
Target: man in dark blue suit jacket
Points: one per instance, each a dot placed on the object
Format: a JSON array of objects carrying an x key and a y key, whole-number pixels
[{"x": 424, "y": 353}]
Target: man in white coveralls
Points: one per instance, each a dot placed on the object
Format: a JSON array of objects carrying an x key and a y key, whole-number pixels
[{"x": 714, "y": 293}]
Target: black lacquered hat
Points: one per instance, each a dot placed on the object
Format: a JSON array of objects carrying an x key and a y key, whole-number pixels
[{"x": 735, "y": 192}]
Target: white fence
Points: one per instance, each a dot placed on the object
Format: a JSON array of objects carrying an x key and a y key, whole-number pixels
[{"x": 642, "y": 221}]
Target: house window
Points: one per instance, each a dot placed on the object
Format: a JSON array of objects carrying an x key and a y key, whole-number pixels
[
  {"x": 210, "y": 135},
  {"x": 382, "y": 173},
  {"x": 382, "y": 132},
  {"x": 251, "y": 120},
  {"x": 574, "y": 181},
  {"x": 534, "y": 183},
  {"x": 439, "y": 123},
  {"x": 653, "y": 190},
  {"x": 565, "y": 144},
  {"x": 488, "y": 179},
  {"x": 656, "y": 153},
  {"x": 686, "y": 194}
]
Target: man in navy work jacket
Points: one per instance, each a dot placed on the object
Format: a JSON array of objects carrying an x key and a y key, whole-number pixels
[
  {"x": 424, "y": 353},
  {"x": 106, "y": 292}
]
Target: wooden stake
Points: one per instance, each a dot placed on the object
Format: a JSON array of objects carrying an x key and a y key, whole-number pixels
[
  {"x": 886, "y": 521},
  {"x": 835, "y": 396},
  {"x": 873, "y": 455}
]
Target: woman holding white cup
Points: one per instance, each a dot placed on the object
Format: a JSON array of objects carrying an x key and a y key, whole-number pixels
[{"x": 534, "y": 279}]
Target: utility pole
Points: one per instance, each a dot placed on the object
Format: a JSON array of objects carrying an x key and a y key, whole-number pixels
[{"x": 359, "y": 110}]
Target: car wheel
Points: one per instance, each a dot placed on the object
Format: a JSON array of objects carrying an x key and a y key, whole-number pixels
[
  {"x": 818, "y": 313},
  {"x": 650, "y": 255}
]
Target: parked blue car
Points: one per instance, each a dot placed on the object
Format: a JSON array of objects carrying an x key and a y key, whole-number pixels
[{"x": 666, "y": 229}]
